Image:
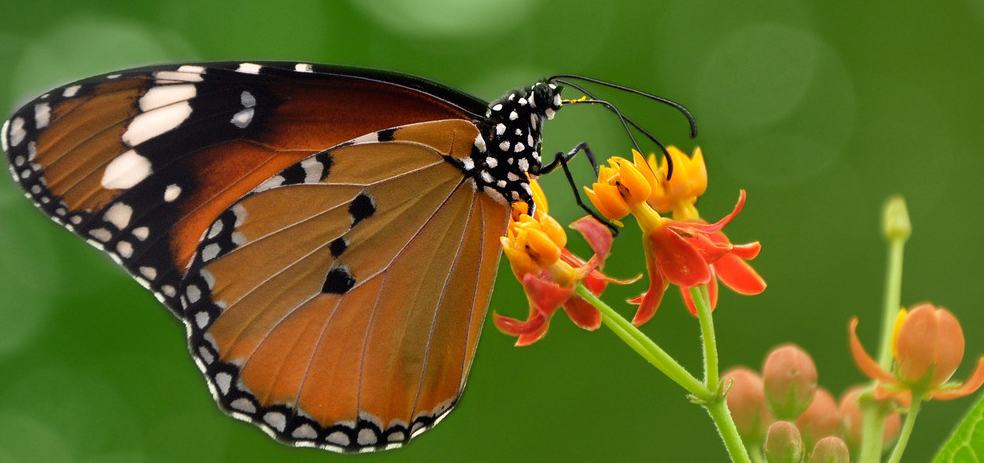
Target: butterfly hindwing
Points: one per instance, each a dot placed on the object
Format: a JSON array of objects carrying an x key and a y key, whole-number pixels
[
  {"x": 140, "y": 163},
  {"x": 341, "y": 308}
]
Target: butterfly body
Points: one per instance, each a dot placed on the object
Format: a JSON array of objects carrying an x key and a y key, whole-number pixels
[{"x": 329, "y": 236}]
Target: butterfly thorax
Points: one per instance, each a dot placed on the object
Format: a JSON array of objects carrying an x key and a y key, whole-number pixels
[{"x": 511, "y": 141}]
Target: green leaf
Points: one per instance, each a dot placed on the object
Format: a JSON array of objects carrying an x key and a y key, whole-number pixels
[{"x": 966, "y": 444}]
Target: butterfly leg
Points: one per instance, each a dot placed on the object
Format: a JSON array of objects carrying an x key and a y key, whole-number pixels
[
  {"x": 567, "y": 157},
  {"x": 577, "y": 197}
]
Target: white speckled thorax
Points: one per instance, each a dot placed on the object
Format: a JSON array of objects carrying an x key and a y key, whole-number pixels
[{"x": 510, "y": 142}]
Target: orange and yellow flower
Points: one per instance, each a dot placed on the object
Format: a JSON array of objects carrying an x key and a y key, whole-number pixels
[
  {"x": 927, "y": 345},
  {"x": 684, "y": 251},
  {"x": 549, "y": 273}
]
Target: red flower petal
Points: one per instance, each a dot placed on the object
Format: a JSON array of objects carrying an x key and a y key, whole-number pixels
[
  {"x": 680, "y": 262},
  {"x": 746, "y": 251},
  {"x": 597, "y": 236},
  {"x": 514, "y": 327},
  {"x": 527, "y": 339},
  {"x": 736, "y": 274},
  {"x": 711, "y": 250},
  {"x": 595, "y": 282},
  {"x": 649, "y": 301},
  {"x": 582, "y": 313},
  {"x": 545, "y": 295},
  {"x": 716, "y": 226}
]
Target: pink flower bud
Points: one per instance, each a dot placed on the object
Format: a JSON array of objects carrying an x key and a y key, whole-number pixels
[
  {"x": 783, "y": 443},
  {"x": 821, "y": 419},
  {"x": 830, "y": 450},
  {"x": 852, "y": 419},
  {"x": 746, "y": 400},
  {"x": 790, "y": 380}
]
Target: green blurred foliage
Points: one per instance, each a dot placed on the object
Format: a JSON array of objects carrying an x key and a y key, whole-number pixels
[{"x": 820, "y": 110}]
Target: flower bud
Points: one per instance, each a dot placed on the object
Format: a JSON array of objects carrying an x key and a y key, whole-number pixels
[
  {"x": 783, "y": 443},
  {"x": 895, "y": 219},
  {"x": 852, "y": 418},
  {"x": 790, "y": 380},
  {"x": 928, "y": 345},
  {"x": 830, "y": 450},
  {"x": 821, "y": 419},
  {"x": 746, "y": 401}
]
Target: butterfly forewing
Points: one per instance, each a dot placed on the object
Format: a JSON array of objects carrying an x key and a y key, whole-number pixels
[
  {"x": 141, "y": 163},
  {"x": 341, "y": 310}
]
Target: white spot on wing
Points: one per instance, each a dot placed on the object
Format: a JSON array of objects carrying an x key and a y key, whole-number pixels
[
  {"x": 243, "y": 405},
  {"x": 312, "y": 170},
  {"x": 163, "y": 95},
  {"x": 243, "y": 118},
  {"x": 215, "y": 230},
  {"x": 524, "y": 165},
  {"x": 193, "y": 293},
  {"x": 223, "y": 380},
  {"x": 168, "y": 290},
  {"x": 156, "y": 122},
  {"x": 468, "y": 163},
  {"x": 366, "y": 437},
  {"x": 172, "y": 192},
  {"x": 125, "y": 171},
  {"x": 192, "y": 69},
  {"x": 504, "y": 146},
  {"x": 141, "y": 233},
  {"x": 3, "y": 135},
  {"x": 304, "y": 431},
  {"x": 513, "y": 116},
  {"x": 72, "y": 90},
  {"x": 210, "y": 251},
  {"x": 303, "y": 67},
  {"x": 101, "y": 234},
  {"x": 42, "y": 115},
  {"x": 249, "y": 68},
  {"x": 17, "y": 132},
  {"x": 339, "y": 438},
  {"x": 500, "y": 129},
  {"x": 201, "y": 319},
  {"x": 125, "y": 249},
  {"x": 119, "y": 214},
  {"x": 277, "y": 420},
  {"x": 491, "y": 161},
  {"x": 149, "y": 272},
  {"x": 247, "y": 99},
  {"x": 178, "y": 76}
]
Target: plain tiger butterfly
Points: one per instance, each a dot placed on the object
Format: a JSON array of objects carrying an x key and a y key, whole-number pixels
[{"x": 328, "y": 235}]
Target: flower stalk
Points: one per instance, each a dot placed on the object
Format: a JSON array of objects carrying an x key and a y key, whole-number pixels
[{"x": 896, "y": 228}]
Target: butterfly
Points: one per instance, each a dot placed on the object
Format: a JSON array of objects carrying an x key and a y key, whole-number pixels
[{"x": 328, "y": 235}]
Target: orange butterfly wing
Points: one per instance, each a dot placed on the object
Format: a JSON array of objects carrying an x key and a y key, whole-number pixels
[
  {"x": 141, "y": 162},
  {"x": 343, "y": 311}
]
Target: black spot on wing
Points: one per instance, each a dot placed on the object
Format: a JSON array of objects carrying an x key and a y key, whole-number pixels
[
  {"x": 386, "y": 135},
  {"x": 362, "y": 208},
  {"x": 338, "y": 281},
  {"x": 338, "y": 246}
]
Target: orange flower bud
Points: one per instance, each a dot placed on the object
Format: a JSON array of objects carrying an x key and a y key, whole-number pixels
[
  {"x": 783, "y": 443},
  {"x": 679, "y": 193},
  {"x": 830, "y": 450},
  {"x": 620, "y": 187},
  {"x": 790, "y": 380},
  {"x": 746, "y": 401},
  {"x": 821, "y": 419},
  {"x": 928, "y": 345}
]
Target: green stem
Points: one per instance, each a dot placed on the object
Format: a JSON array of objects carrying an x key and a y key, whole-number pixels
[
  {"x": 893, "y": 297},
  {"x": 645, "y": 347},
  {"x": 910, "y": 421},
  {"x": 756, "y": 455},
  {"x": 700, "y": 297},
  {"x": 897, "y": 230},
  {"x": 719, "y": 412}
]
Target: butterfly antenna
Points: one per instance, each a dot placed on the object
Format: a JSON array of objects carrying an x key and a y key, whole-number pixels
[
  {"x": 625, "y": 123},
  {"x": 679, "y": 107}
]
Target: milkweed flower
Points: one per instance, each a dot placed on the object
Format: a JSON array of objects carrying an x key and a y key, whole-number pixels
[
  {"x": 678, "y": 195},
  {"x": 536, "y": 249},
  {"x": 927, "y": 345},
  {"x": 678, "y": 252}
]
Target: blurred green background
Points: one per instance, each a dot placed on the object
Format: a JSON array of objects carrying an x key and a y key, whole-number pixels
[{"x": 820, "y": 110}]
